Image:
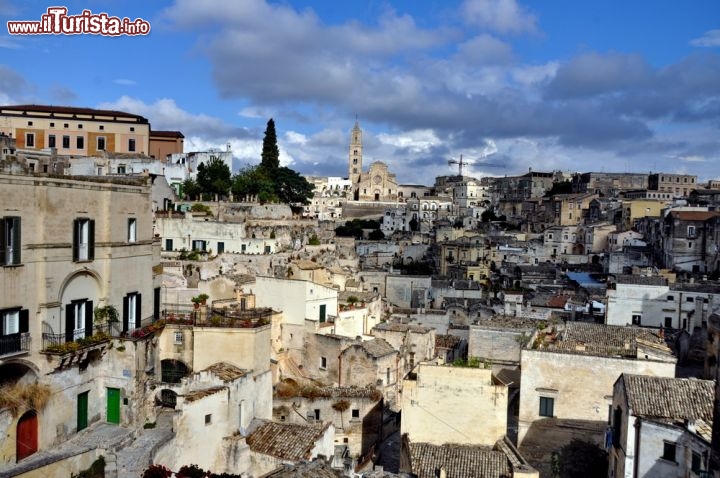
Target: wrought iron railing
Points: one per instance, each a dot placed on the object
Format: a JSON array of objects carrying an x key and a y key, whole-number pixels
[{"x": 14, "y": 343}]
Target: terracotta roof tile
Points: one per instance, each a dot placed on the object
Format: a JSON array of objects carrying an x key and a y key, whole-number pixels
[
  {"x": 446, "y": 341},
  {"x": 226, "y": 372},
  {"x": 285, "y": 440},
  {"x": 70, "y": 110},
  {"x": 459, "y": 461},
  {"x": 675, "y": 398}
]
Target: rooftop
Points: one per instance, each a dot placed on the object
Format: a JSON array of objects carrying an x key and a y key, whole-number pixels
[
  {"x": 205, "y": 392},
  {"x": 459, "y": 461},
  {"x": 674, "y": 398},
  {"x": 69, "y": 110},
  {"x": 226, "y": 372},
  {"x": 601, "y": 340},
  {"x": 376, "y": 347},
  {"x": 694, "y": 215},
  {"x": 284, "y": 440},
  {"x": 641, "y": 280},
  {"x": 446, "y": 341},
  {"x": 398, "y": 327}
]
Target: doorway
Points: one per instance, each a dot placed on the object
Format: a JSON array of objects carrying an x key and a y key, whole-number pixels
[
  {"x": 113, "y": 405},
  {"x": 27, "y": 435}
]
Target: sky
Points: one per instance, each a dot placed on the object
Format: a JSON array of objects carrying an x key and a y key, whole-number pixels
[{"x": 569, "y": 85}]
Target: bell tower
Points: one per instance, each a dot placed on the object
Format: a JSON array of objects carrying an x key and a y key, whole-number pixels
[{"x": 355, "y": 158}]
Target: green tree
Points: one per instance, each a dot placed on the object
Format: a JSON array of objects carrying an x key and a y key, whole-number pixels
[
  {"x": 292, "y": 188},
  {"x": 253, "y": 181},
  {"x": 214, "y": 177},
  {"x": 190, "y": 189},
  {"x": 270, "y": 153}
]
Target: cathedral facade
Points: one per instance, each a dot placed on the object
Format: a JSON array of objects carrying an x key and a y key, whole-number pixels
[{"x": 378, "y": 183}]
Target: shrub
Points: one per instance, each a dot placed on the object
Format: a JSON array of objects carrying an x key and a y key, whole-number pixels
[
  {"x": 191, "y": 471},
  {"x": 19, "y": 397},
  {"x": 157, "y": 471}
]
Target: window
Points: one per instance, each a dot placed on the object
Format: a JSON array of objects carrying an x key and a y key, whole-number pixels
[
  {"x": 696, "y": 463},
  {"x": 322, "y": 316},
  {"x": 178, "y": 337},
  {"x": 547, "y": 406},
  {"x": 208, "y": 419},
  {"x": 78, "y": 320},
  {"x": 121, "y": 169},
  {"x": 102, "y": 127},
  {"x": 669, "y": 451},
  {"x": 691, "y": 231},
  {"x": 168, "y": 244},
  {"x": 317, "y": 414},
  {"x": 199, "y": 245},
  {"x": 79, "y": 126},
  {"x": 30, "y": 123},
  {"x": 387, "y": 376},
  {"x": 132, "y": 229},
  {"x": 101, "y": 143},
  {"x": 689, "y": 245},
  {"x": 689, "y": 299},
  {"x": 9, "y": 241},
  {"x": 132, "y": 307},
  {"x": 220, "y": 247},
  {"x": 52, "y": 125},
  {"x": 323, "y": 363},
  {"x": 30, "y": 140},
  {"x": 66, "y": 142},
  {"x": 83, "y": 239},
  {"x": 668, "y": 322},
  {"x": 80, "y": 142},
  {"x": 355, "y": 413},
  {"x": 51, "y": 141},
  {"x": 671, "y": 297},
  {"x": 10, "y": 321},
  {"x": 131, "y": 145},
  {"x": 66, "y": 125},
  {"x": 636, "y": 319}
]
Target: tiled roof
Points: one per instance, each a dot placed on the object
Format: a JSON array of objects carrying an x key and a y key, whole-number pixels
[
  {"x": 604, "y": 340},
  {"x": 694, "y": 215},
  {"x": 446, "y": 341},
  {"x": 459, "y": 461},
  {"x": 396, "y": 327},
  {"x": 641, "y": 280},
  {"x": 205, "y": 392},
  {"x": 664, "y": 397},
  {"x": 166, "y": 134},
  {"x": 510, "y": 377},
  {"x": 376, "y": 347},
  {"x": 314, "y": 469},
  {"x": 226, "y": 372},
  {"x": 70, "y": 110},
  {"x": 285, "y": 440}
]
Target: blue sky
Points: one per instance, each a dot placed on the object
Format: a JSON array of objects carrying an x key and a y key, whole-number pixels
[{"x": 544, "y": 84}]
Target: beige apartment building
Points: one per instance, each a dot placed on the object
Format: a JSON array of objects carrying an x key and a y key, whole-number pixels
[
  {"x": 86, "y": 131},
  {"x": 678, "y": 185},
  {"x": 69, "y": 246}
]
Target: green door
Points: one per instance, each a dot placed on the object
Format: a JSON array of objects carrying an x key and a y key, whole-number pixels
[
  {"x": 113, "y": 405},
  {"x": 82, "y": 411}
]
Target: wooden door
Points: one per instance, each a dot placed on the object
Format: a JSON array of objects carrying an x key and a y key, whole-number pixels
[
  {"x": 113, "y": 405},
  {"x": 27, "y": 435},
  {"x": 82, "y": 411}
]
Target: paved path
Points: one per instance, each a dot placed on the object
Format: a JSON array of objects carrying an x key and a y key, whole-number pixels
[
  {"x": 99, "y": 435},
  {"x": 132, "y": 460}
]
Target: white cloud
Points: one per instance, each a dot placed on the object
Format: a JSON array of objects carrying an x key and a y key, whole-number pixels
[
  {"x": 416, "y": 141},
  {"x": 710, "y": 38},
  {"x": 502, "y": 16}
]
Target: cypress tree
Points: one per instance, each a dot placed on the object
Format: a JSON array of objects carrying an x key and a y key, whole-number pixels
[{"x": 270, "y": 153}]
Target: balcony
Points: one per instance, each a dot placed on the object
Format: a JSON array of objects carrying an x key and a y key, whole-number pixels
[
  {"x": 14, "y": 344},
  {"x": 60, "y": 345}
]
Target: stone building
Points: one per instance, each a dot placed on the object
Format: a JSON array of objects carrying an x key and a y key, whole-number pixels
[
  {"x": 71, "y": 248},
  {"x": 568, "y": 374},
  {"x": 679, "y": 185},
  {"x": 377, "y": 184},
  {"x": 446, "y": 404},
  {"x": 660, "y": 426}
]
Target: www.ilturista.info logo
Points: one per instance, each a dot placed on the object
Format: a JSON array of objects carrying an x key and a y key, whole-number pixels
[{"x": 57, "y": 22}]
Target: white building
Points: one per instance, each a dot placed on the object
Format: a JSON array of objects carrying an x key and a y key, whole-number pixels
[{"x": 661, "y": 427}]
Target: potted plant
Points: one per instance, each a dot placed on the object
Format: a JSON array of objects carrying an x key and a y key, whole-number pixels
[{"x": 203, "y": 298}]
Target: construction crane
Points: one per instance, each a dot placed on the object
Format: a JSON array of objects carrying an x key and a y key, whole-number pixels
[{"x": 461, "y": 162}]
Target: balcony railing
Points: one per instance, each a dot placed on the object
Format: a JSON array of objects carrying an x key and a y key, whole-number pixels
[{"x": 14, "y": 343}]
